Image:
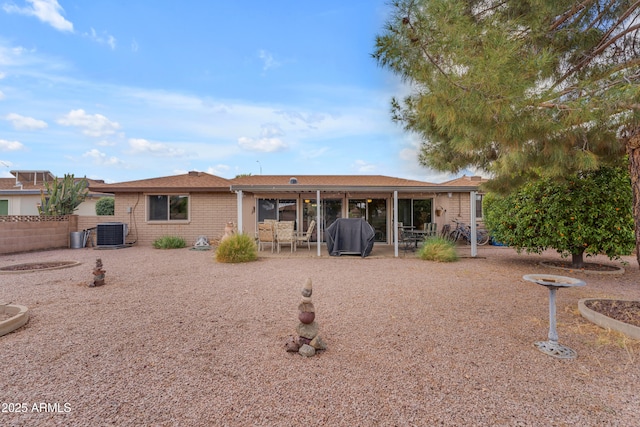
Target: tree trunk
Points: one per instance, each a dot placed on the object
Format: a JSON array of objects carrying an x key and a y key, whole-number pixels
[
  {"x": 577, "y": 260},
  {"x": 633, "y": 150}
]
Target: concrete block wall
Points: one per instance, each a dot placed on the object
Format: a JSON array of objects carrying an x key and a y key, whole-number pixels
[
  {"x": 86, "y": 222},
  {"x": 26, "y": 233}
]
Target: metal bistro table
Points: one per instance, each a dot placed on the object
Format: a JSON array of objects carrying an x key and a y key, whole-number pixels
[{"x": 553, "y": 283}]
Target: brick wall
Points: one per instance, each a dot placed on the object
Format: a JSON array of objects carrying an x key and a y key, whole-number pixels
[
  {"x": 208, "y": 214},
  {"x": 24, "y": 233},
  {"x": 90, "y": 221}
]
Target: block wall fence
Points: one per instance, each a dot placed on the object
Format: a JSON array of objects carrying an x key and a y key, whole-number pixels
[{"x": 25, "y": 233}]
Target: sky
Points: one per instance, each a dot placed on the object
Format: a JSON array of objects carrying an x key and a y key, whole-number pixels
[{"x": 122, "y": 90}]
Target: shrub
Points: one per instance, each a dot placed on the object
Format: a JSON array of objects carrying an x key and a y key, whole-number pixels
[
  {"x": 105, "y": 206},
  {"x": 587, "y": 213},
  {"x": 169, "y": 242},
  {"x": 238, "y": 248},
  {"x": 438, "y": 249}
]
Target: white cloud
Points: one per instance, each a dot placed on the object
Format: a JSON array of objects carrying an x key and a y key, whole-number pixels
[
  {"x": 25, "y": 123},
  {"x": 268, "y": 61},
  {"x": 268, "y": 141},
  {"x": 48, "y": 11},
  {"x": 218, "y": 170},
  {"x": 142, "y": 146},
  {"x": 267, "y": 145},
  {"x": 315, "y": 153},
  {"x": 106, "y": 143},
  {"x": 102, "y": 159},
  {"x": 10, "y": 145},
  {"x": 95, "y": 125},
  {"x": 309, "y": 119},
  {"x": 408, "y": 154},
  {"x": 104, "y": 38},
  {"x": 363, "y": 167}
]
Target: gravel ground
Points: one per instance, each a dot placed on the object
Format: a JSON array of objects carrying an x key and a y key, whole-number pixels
[{"x": 175, "y": 338}]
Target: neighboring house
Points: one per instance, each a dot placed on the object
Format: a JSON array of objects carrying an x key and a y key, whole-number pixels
[
  {"x": 20, "y": 195},
  {"x": 198, "y": 203}
]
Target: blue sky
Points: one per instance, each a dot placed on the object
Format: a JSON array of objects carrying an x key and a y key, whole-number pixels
[{"x": 131, "y": 89}]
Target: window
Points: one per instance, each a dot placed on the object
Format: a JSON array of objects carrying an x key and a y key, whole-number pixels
[
  {"x": 4, "y": 207},
  {"x": 478, "y": 205},
  {"x": 414, "y": 212},
  {"x": 168, "y": 208},
  {"x": 278, "y": 209}
]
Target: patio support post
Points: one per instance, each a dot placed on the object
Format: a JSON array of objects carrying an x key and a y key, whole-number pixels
[
  {"x": 319, "y": 224},
  {"x": 239, "y": 194},
  {"x": 395, "y": 223},
  {"x": 474, "y": 234}
]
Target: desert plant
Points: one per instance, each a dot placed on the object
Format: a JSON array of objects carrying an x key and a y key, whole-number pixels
[
  {"x": 105, "y": 206},
  {"x": 169, "y": 242},
  {"x": 238, "y": 248},
  {"x": 62, "y": 196},
  {"x": 438, "y": 249}
]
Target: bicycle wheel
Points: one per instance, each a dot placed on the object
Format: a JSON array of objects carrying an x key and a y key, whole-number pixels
[
  {"x": 482, "y": 237},
  {"x": 454, "y": 235}
]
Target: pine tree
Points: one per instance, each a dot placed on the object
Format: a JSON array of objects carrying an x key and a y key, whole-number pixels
[{"x": 519, "y": 88}]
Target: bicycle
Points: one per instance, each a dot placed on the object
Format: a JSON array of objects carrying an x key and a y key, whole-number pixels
[{"x": 464, "y": 231}]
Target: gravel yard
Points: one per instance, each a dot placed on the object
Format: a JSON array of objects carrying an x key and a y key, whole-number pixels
[{"x": 175, "y": 338}]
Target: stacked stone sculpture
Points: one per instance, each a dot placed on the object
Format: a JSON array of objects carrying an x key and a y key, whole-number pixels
[
  {"x": 98, "y": 274},
  {"x": 308, "y": 342}
]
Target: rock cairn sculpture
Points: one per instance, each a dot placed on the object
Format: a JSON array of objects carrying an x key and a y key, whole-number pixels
[
  {"x": 98, "y": 274},
  {"x": 308, "y": 341}
]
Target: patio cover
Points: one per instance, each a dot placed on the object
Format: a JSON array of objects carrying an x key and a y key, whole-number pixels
[{"x": 350, "y": 236}]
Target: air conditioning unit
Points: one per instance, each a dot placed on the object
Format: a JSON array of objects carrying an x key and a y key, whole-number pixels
[{"x": 111, "y": 234}]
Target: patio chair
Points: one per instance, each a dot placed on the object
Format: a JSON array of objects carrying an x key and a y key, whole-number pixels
[
  {"x": 306, "y": 237},
  {"x": 431, "y": 229},
  {"x": 285, "y": 235},
  {"x": 265, "y": 235},
  {"x": 404, "y": 239}
]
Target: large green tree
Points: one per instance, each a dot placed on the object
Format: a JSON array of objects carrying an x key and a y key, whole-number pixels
[
  {"x": 586, "y": 213},
  {"x": 519, "y": 88}
]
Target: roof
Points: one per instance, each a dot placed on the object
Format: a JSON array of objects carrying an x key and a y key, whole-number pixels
[
  {"x": 466, "y": 180},
  {"x": 192, "y": 182},
  {"x": 14, "y": 187},
  {"x": 312, "y": 183},
  {"x": 327, "y": 180}
]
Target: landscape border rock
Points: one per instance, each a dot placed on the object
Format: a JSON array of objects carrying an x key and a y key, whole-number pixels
[
  {"x": 616, "y": 269},
  {"x": 19, "y": 317},
  {"x": 60, "y": 264},
  {"x": 607, "y": 322}
]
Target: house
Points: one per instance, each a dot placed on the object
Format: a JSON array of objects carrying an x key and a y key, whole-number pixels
[
  {"x": 198, "y": 203},
  {"x": 21, "y": 195},
  {"x": 190, "y": 205}
]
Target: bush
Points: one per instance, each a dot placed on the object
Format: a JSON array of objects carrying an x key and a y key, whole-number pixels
[
  {"x": 105, "y": 206},
  {"x": 169, "y": 242},
  {"x": 238, "y": 248},
  {"x": 438, "y": 249}
]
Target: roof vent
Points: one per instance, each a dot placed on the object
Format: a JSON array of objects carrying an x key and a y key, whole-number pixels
[
  {"x": 194, "y": 173},
  {"x": 293, "y": 180}
]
